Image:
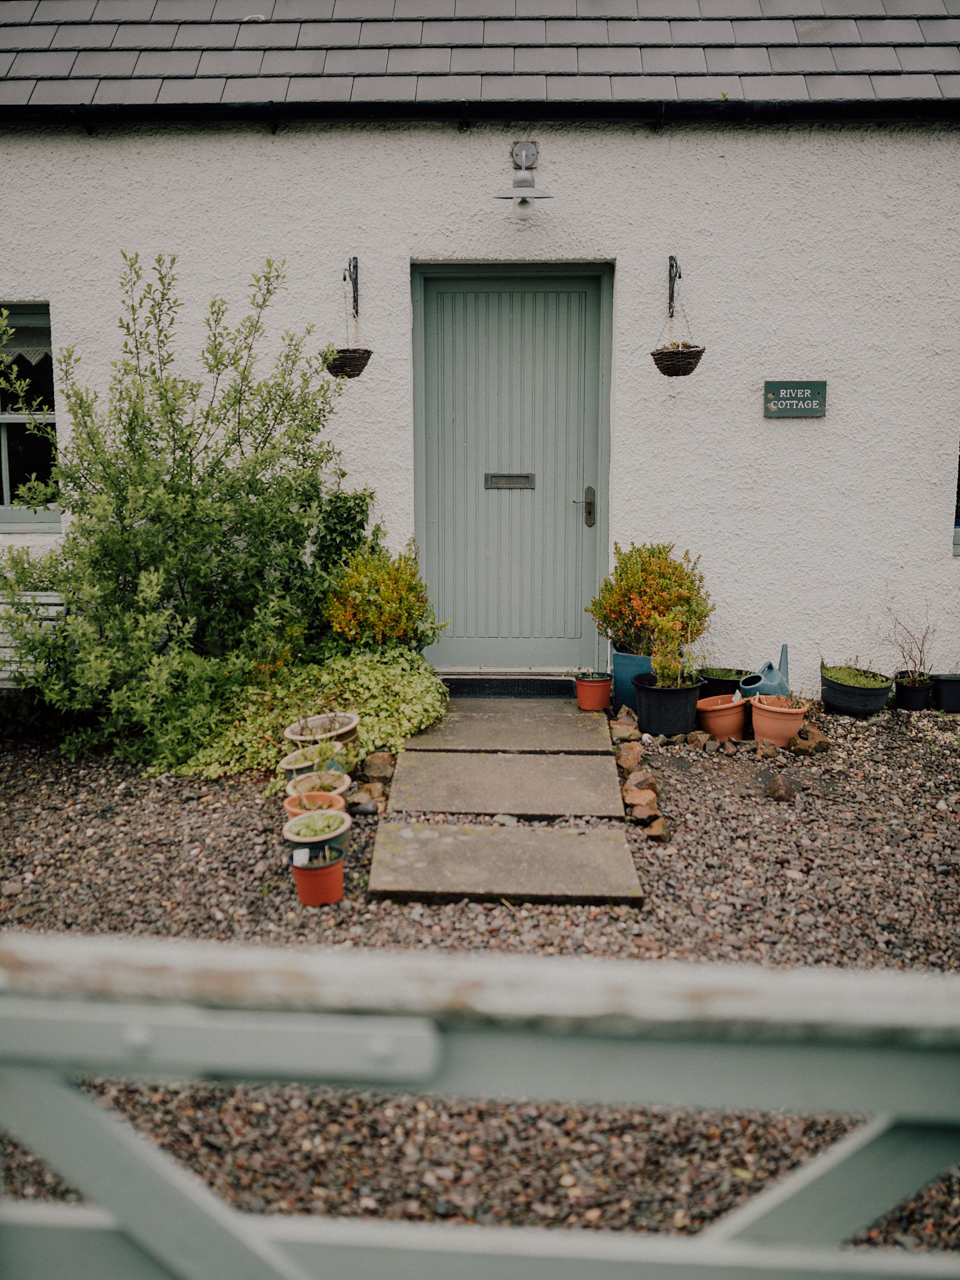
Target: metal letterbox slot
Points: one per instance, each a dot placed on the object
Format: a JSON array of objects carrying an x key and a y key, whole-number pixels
[{"x": 509, "y": 480}]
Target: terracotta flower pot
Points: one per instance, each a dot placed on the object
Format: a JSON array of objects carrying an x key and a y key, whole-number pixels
[
  {"x": 775, "y": 720},
  {"x": 306, "y": 801},
  {"x": 321, "y": 885},
  {"x": 721, "y": 717},
  {"x": 593, "y": 694}
]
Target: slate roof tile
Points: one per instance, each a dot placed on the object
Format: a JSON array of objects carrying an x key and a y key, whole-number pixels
[
  {"x": 890, "y": 31},
  {"x": 230, "y": 62},
  {"x": 183, "y": 11},
  {"x": 129, "y": 91},
  {"x": 293, "y": 62},
  {"x": 206, "y": 35},
  {"x": 866, "y": 58},
  {"x": 701, "y": 33},
  {"x": 123, "y": 11},
  {"x": 643, "y": 88},
  {"x": 384, "y": 89},
  {"x": 853, "y": 8},
  {"x": 320, "y": 89},
  {"x": 267, "y": 35},
  {"x": 618, "y": 62},
  {"x": 541, "y": 61},
  {"x": 16, "y": 93},
  {"x": 154, "y": 35},
  {"x": 803, "y": 60},
  {"x": 485, "y": 9},
  {"x": 355, "y": 62},
  {"x": 905, "y": 86},
  {"x": 91, "y": 36},
  {"x": 952, "y": 7},
  {"x": 66, "y": 93},
  {"x": 302, "y": 10},
  {"x": 546, "y": 8},
  {"x": 448, "y": 88},
  {"x": 419, "y": 62},
  {"x": 16, "y": 37},
  {"x": 519, "y": 31},
  {"x": 191, "y": 90},
  {"x": 915, "y": 8},
  {"x": 791, "y": 8},
  {"x": 578, "y": 89},
  {"x": 827, "y": 31},
  {"x": 940, "y": 30},
  {"x": 452, "y": 33},
  {"x": 481, "y": 61},
  {"x": 43, "y": 64},
  {"x": 929, "y": 57},
  {"x": 738, "y": 61},
  {"x": 770, "y": 31},
  {"x": 730, "y": 9},
  {"x": 5, "y": 60},
  {"x": 949, "y": 86},
  {"x": 668, "y": 9},
  {"x": 110, "y": 62},
  {"x": 580, "y": 31},
  {"x": 351, "y": 10},
  {"x": 822, "y": 88},
  {"x": 605, "y": 9},
  {"x": 329, "y": 35},
  {"x": 513, "y": 89},
  {"x": 639, "y": 33},
  {"x": 423, "y": 9},
  {"x": 237, "y": 10},
  {"x": 774, "y": 88},
  {"x": 390, "y": 34},
  {"x": 674, "y": 62},
  {"x": 63, "y": 10},
  {"x": 19, "y": 10},
  {"x": 256, "y": 89},
  {"x": 167, "y": 62},
  {"x": 707, "y": 87}
]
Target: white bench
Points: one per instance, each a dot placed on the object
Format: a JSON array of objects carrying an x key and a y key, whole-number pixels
[{"x": 49, "y": 608}]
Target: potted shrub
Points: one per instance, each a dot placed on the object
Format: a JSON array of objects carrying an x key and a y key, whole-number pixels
[
  {"x": 593, "y": 690},
  {"x": 946, "y": 692},
  {"x": 669, "y": 706},
  {"x": 316, "y": 859},
  {"x": 777, "y": 719},
  {"x": 850, "y": 690},
  {"x": 646, "y": 582},
  {"x": 913, "y": 683}
]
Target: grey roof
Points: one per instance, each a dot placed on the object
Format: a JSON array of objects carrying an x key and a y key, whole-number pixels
[{"x": 642, "y": 59}]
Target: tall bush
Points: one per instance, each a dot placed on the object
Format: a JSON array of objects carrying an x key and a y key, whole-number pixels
[
  {"x": 207, "y": 522},
  {"x": 649, "y": 582}
]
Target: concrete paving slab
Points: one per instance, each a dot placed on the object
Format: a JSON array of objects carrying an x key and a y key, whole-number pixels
[
  {"x": 420, "y": 861},
  {"x": 516, "y": 724},
  {"x": 528, "y": 786}
]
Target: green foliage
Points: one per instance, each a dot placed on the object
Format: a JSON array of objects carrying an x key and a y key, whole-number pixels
[
  {"x": 670, "y": 663},
  {"x": 208, "y": 524},
  {"x": 381, "y": 600},
  {"x": 855, "y": 676},
  {"x": 395, "y": 693},
  {"x": 647, "y": 582},
  {"x": 721, "y": 673}
]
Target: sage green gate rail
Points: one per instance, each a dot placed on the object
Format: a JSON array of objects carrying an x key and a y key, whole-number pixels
[{"x": 882, "y": 1042}]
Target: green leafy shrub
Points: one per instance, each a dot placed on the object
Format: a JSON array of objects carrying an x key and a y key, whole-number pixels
[
  {"x": 395, "y": 693},
  {"x": 381, "y": 600},
  {"x": 670, "y": 663},
  {"x": 647, "y": 582},
  {"x": 855, "y": 676},
  {"x": 208, "y": 524}
]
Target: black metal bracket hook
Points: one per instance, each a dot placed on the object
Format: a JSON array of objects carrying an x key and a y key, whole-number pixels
[
  {"x": 673, "y": 276},
  {"x": 352, "y": 274}
]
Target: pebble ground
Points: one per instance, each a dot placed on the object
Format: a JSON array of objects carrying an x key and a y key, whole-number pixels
[{"x": 861, "y": 869}]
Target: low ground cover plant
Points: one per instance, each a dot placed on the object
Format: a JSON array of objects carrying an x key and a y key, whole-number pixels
[{"x": 857, "y": 676}]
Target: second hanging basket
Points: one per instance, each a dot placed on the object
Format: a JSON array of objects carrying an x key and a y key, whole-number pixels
[
  {"x": 678, "y": 359},
  {"x": 349, "y": 363}
]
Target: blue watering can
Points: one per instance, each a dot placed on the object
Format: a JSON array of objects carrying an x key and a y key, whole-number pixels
[{"x": 769, "y": 680}]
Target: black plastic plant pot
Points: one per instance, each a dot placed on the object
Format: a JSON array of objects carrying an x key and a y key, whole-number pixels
[
  {"x": 912, "y": 697},
  {"x": 714, "y": 686},
  {"x": 946, "y": 693},
  {"x": 853, "y": 699},
  {"x": 667, "y": 711}
]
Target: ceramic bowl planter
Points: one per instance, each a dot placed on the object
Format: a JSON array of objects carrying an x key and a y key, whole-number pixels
[
  {"x": 339, "y": 726},
  {"x": 593, "y": 691},
  {"x": 860, "y": 701},
  {"x": 775, "y": 720},
  {"x": 625, "y": 667},
  {"x": 946, "y": 693},
  {"x": 911, "y": 694},
  {"x": 677, "y": 360},
  {"x": 721, "y": 717},
  {"x": 667, "y": 711},
  {"x": 304, "y": 760},
  {"x": 318, "y": 841},
  {"x": 334, "y": 784},
  {"x": 349, "y": 362},
  {"x": 310, "y": 801}
]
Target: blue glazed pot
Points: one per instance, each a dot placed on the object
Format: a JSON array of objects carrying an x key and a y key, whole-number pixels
[{"x": 625, "y": 667}]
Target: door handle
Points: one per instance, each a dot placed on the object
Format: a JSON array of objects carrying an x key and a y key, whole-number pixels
[{"x": 588, "y": 502}]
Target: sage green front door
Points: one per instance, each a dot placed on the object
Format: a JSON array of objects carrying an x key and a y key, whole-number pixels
[{"x": 510, "y": 396}]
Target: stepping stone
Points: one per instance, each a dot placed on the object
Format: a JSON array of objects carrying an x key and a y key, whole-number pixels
[
  {"x": 417, "y": 860},
  {"x": 516, "y": 724},
  {"x": 529, "y": 786}
]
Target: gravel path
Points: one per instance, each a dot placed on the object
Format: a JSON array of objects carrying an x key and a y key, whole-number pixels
[{"x": 860, "y": 869}]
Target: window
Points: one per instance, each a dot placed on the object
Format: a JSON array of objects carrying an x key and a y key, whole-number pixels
[{"x": 24, "y": 454}]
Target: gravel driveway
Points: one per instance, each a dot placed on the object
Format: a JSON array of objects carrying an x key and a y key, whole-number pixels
[{"x": 860, "y": 869}]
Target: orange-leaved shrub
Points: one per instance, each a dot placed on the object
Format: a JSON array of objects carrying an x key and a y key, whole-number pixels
[
  {"x": 649, "y": 582},
  {"x": 380, "y": 601}
]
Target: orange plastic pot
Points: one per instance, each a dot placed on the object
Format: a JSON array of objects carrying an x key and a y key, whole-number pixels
[
  {"x": 319, "y": 886},
  {"x": 721, "y": 717},
  {"x": 305, "y": 802},
  {"x": 775, "y": 720},
  {"x": 594, "y": 695}
]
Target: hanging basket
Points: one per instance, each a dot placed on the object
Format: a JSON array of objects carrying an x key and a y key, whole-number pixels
[
  {"x": 677, "y": 361},
  {"x": 350, "y": 362}
]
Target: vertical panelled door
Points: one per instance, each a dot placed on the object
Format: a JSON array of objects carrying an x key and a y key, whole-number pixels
[{"x": 510, "y": 408}]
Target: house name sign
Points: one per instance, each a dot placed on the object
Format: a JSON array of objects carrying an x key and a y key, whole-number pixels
[{"x": 796, "y": 398}]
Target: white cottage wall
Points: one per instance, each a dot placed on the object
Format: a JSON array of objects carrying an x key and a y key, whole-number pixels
[{"x": 820, "y": 252}]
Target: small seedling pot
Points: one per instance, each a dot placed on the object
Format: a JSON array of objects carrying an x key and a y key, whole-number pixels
[
  {"x": 775, "y": 720},
  {"x": 339, "y": 725},
  {"x": 309, "y": 801},
  {"x": 721, "y": 717},
  {"x": 304, "y": 760},
  {"x": 593, "y": 692},
  {"x": 335, "y": 784},
  {"x": 319, "y": 846}
]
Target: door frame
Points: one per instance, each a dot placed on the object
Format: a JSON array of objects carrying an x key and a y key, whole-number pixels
[{"x": 603, "y": 272}]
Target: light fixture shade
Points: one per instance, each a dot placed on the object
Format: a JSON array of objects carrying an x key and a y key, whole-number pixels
[{"x": 523, "y": 189}]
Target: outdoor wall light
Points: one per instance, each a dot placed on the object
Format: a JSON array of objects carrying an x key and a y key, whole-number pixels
[{"x": 524, "y": 191}]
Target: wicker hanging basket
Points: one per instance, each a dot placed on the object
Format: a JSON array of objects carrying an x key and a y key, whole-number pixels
[
  {"x": 350, "y": 362},
  {"x": 678, "y": 360}
]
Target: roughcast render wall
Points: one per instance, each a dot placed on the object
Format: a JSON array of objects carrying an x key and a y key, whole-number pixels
[{"x": 806, "y": 253}]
